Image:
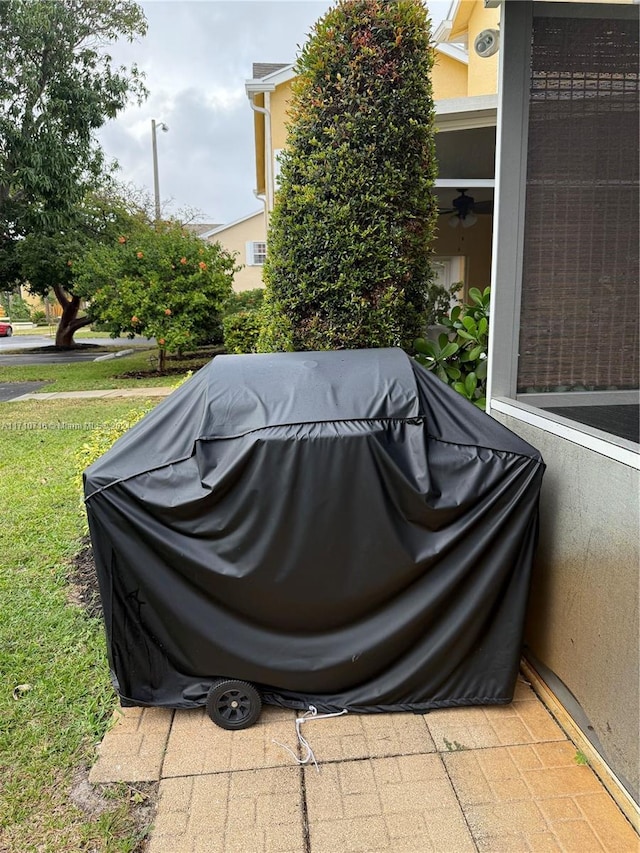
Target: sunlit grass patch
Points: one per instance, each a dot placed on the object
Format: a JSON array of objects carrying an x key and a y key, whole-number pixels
[{"x": 55, "y": 694}]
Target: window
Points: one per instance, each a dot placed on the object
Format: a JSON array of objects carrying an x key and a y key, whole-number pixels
[
  {"x": 256, "y": 253},
  {"x": 578, "y": 354},
  {"x": 449, "y": 271},
  {"x": 579, "y": 329}
]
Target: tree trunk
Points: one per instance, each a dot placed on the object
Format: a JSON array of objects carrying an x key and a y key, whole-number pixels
[
  {"x": 69, "y": 322},
  {"x": 161, "y": 359}
]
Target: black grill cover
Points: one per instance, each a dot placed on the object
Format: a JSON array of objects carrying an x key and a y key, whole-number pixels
[{"x": 339, "y": 528}]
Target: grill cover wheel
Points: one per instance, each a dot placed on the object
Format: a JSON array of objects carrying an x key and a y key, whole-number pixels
[{"x": 233, "y": 704}]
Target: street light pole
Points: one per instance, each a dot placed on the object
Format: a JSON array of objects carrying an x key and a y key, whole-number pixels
[{"x": 154, "y": 145}]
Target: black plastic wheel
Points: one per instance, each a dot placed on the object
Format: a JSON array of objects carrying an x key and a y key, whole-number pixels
[{"x": 233, "y": 704}]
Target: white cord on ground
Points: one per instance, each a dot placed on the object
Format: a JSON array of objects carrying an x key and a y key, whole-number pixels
[{"x": 311, "y": 714}]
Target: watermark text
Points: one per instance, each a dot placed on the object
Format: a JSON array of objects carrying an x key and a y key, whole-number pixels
[{"x": 34, "y": 426}]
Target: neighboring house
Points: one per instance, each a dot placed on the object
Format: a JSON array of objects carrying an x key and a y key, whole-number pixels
[
  {"x": 246, "y": 239},
  {"x": 465, "y": 87},
  {"x": 563, "y": 370},
  {"x": 51, "y": 307}
]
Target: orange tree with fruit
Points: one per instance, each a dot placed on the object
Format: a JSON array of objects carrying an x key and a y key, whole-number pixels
[{"x": 161, "y": 282}]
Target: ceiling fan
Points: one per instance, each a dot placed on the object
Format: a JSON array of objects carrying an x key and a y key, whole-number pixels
[{"x": 465, "y": 209}]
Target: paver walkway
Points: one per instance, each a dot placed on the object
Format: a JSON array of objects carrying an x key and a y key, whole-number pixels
[{"x": 501, "y": 780}]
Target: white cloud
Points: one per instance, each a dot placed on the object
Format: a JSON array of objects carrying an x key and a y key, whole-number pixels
[
  {"x": 224, "y": 99},
  {"x": 197, "y": 56}
]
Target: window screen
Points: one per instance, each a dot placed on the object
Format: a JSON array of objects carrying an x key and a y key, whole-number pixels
[
  {"x": 579, "y": 321},
  {"x": 256, "y": 253}
]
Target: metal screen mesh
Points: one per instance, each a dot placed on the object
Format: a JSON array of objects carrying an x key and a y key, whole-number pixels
[{"x": 579, "y": 321}]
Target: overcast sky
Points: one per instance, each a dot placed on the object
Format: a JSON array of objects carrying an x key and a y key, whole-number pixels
[{"x": 197, "y": 56}]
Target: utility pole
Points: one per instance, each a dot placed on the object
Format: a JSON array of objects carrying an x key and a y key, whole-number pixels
[{"x": 154, "y": 145}]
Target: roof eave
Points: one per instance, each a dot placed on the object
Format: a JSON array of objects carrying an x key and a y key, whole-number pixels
[
  {"x": 224, "y": 227},
  {"x": 269, "y": 82},
  {"x": 453, "y": 51}
]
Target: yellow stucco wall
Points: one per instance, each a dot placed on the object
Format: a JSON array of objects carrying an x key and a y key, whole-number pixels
[
  {"x": 483, "y": 73},
  {"x": 259, "y": 142},
  {"x": 234, "y": 239},
  {"x": 279, "y": 104},
  {"x": 449, "y": 78}
]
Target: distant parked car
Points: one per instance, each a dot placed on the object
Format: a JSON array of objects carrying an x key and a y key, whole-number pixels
[{"x": 6, "y": 329}]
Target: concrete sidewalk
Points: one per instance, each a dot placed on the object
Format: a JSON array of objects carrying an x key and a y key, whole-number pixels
[
  {"x": 157, "y": 391},
  {"x": 502, "y": 780}
]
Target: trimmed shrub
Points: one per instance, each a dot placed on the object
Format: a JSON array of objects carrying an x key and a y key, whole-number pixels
[
  {"x": 348, "y": 261},
  {"x": 241, "y": 331},
  {"x": 245, "y": 300}
]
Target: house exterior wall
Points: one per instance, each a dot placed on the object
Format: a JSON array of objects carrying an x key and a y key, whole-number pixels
[
  {"x": 483, "y": 73},
  {"x": 449, "y": 77},
  {"x": 583, "y": 621},
  {"x": 259, "y": 144},
  {"x": 279, "y": 104},
  {"x": 234, "y": 239}
]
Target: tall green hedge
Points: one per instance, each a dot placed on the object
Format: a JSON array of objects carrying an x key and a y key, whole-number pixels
[{"x": 348, "y": 262}]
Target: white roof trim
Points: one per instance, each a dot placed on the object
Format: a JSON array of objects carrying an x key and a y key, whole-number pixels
[
  {"x": 467, "y": 104},
  {"x": 444, "y": 29},
  {"x": 254, "y": 87},
  {"x": 220, "y": 228},
  {"x": 269, "y": 82},
  {"x": 441, "y": 34},
  {"x": 454, "y": 51}
]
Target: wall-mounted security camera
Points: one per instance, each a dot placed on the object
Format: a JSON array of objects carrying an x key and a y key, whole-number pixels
[{"x": 487, "y": 43}]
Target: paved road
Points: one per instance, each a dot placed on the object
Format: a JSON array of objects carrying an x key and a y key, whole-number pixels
[
  {"x": 12, "y": 350},
  {"x": 10, "y": 390}
]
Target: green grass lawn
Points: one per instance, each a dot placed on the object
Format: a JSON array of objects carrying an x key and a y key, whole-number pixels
[
  {"x": 47, "y": 643},
  {"x": 95, "y": 375}
]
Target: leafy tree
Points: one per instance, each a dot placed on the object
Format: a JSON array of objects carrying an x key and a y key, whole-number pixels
[
  {"x": 46, "y": 258},
  {"x": 349, "y": 239},
  {"x": 57, "y": 86},
  {"x": 162, "y": 282}
]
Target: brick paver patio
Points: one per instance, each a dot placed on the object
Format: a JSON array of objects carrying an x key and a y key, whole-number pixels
[{"x": 493, "y": 780}]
